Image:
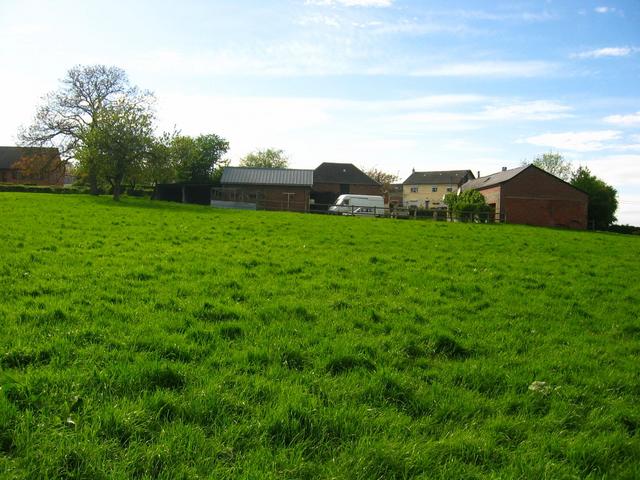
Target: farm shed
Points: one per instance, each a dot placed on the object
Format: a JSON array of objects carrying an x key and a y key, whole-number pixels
[
  {"x": 531, "y": 196},
  {"x": 330, "y": 180},
  {"x": 427, "y": 189},
  {"x": 264, "y": 189},
  {"x": 184, "y": 193},
  {"x": 31, "y": 165}
]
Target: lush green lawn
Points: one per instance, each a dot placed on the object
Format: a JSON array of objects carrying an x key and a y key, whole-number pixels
[{"x": 154, "y": 340}]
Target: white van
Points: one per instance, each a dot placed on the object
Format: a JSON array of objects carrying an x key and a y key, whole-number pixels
[{"x": 350, "y": 204}]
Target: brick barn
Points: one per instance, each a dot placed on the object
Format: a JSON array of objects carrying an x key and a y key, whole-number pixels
[
  {"x": 531, "y": 196},
  {"x": 31, "y": 165},
  {"x": 264, "y": 188},
  {"x": 330, "y": 180}
]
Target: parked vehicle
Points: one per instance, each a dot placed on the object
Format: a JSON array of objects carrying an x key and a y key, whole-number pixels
[{"x": 365, "y": 205}]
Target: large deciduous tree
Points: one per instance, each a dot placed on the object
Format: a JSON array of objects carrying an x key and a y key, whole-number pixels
[
  {"x": 68, "y": 115},
  {"x": 383, "y": 178},
  {"x": 603, "y": 201},
  {"x": 269, "y": 158},
  {"x": 555, "y": 164},
  {"x": 119, "y": 143}
]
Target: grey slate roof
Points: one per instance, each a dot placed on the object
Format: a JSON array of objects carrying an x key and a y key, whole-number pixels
[
  {"x": 346, "y": 173},
  {"x": 10, "y": 155},
  {"x": 455, "y": 177},
  {"x": 493, "y": 179},
  {"x": 266, "y": 176}
]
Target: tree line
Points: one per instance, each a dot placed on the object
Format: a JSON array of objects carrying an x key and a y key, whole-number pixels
[{"x": 106, "y": 126}]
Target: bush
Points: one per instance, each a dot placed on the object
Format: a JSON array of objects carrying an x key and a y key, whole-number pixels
[{"x": 626, "y": 229}]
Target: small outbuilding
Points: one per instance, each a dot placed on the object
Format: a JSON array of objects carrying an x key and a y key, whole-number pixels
[
  {"x": 264, "y": 189},
  {"x": 531, "y": 196},
  {"x": 330, "y": 180}
]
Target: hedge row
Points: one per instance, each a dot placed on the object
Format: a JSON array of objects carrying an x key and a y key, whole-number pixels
[
  {"x": 141, "y": 192},
  {"x": 42, "y": 189}
]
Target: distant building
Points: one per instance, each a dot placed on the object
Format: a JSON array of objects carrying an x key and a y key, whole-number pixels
[
  {"x": 427, "y": 189},
  {"x": 531, "y": 196},
  {"x": 31, "y": 165},
  {"x": 264, "y": 188},
  {"x": 395, "y": 194},
  {"x": 330, "y": 180}
]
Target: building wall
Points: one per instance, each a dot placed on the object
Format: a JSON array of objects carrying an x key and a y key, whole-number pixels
[
  {"x": 492, "y": 196},
  {"x": 535, "y": 198},
  {"x": 15, "y": 176},
  {"x": 268, "y": 197},
  {"x": 425, "y": 193}
]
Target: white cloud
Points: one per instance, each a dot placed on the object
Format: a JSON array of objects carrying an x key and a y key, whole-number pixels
[
  {"x": 618, "y": 170},
  {"x": 630, "y": 120},
  {"x": 352, "y": 3},
  {"x": 607, "y": 52},
  {"x": 604, "y": 9},
  {"x": 488, "y": 69},
  {"x": 587, "y": 141}
]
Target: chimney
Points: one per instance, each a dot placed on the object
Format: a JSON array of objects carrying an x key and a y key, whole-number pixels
[
  {"x": 413, "y": 170},
  {"x": 478, "y": 173},
  {"x": 504, "y": 169}
]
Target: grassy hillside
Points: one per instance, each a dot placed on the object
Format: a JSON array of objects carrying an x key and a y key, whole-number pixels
[{"x": 153, "y": 340}]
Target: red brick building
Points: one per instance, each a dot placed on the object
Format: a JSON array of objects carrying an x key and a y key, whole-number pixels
[
  {"x": 31, "y": 165},
  {"x": 264, "y": 188},
  {"x": 531, "y": 196},
  {"x": 330, "y": 180}
]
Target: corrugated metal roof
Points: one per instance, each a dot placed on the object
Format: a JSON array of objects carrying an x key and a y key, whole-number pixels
[
  {"x": 493, "y": 179},
  {"x": 455, "y": 177},
  {"x": 266, "y": 176}
]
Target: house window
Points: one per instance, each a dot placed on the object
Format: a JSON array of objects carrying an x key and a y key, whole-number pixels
[
  {"x": 449, "y": 189},
  {"x": 414, "y": 189},
  {"x": 434, "y": 188}
]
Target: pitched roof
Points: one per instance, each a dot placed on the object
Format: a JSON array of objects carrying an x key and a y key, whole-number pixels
[
  {"x": 341, "y": 173},
  {"x": 493, "y": 179},
  {"x": 444, "y": 176},
  {"x": 10, "y": 155},
  {"x": 266, "y": 176}
]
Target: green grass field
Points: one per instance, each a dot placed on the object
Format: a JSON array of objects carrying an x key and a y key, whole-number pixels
[{"x": 155, "y": 340}]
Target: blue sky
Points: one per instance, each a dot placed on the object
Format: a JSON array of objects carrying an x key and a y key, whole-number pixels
[{"x": 392, "y": 84}]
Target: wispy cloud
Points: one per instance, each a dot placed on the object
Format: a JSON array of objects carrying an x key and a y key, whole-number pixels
[
  {"x": 352, "y": 3},
  {"x": 630, "y": 120},
  {"x": 607, "y": 52},
  {"x": 338, "y": 57},
  {"x": 604, "y": 9},
  {"x": 501, "y": 16},
  {"x": 529, "y": 68},
  {"x": 539, "y": 110},
  {"x": 586, "y": 141}
]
